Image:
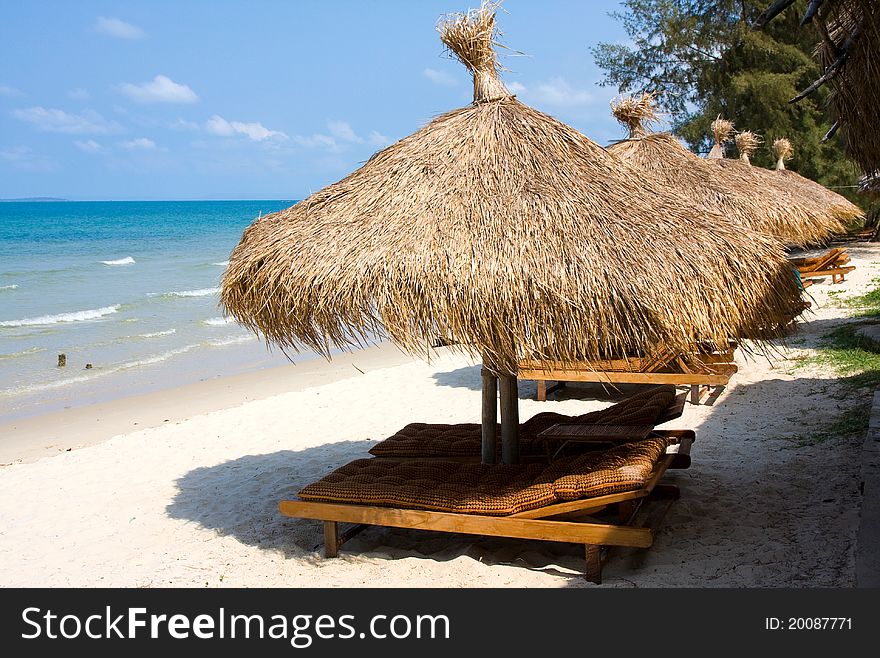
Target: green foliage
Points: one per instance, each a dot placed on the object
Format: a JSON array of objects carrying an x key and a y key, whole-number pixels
[{"x": 703, "y": 59}]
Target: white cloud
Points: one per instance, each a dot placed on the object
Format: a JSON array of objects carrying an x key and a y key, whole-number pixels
[
  {"x": 256, "y": 132},
  {"x": 515, "y": 87},
  {"x": 160, "y": 89},
  {"x": 341, "y": 136},
  {"x": 79, "y": 94},
  {"x": 183, "y": 124},
  {"x": 342, "y": 130},
  {"x": 316, "y": 140},
  {"x": 558, "y": 92},
  {"x": 59, "y": 121},
  {"x": 89, "y": 146},
  {"x": 139, "y": 143},
  {"x": 11, "y": 92},
  {"x": 441, "y": 78},
  {"x": 378, "y": 139},
  {"x": 119, "y": 29},
  {"x": 24, "y": 158}
]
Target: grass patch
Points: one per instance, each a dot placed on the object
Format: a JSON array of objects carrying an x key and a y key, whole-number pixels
[
  {"x": 851, "y": 355},
  {"x": 867, "y": 305},
  {"x": 851, "y": 423},
  {"x": 856, "y": 359}
]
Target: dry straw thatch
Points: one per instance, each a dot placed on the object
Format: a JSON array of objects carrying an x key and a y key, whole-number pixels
[
  {"x": 782, "y": 151},
  {"x": 747, "y": 143},
  {"x": 718, "y": 188},
  {"x": 849, "y": 32},
  {"x": 510, "y": 232},
  {"x": 835, "y": 205},
  {"x": 798, "y": 221},
  {"x": 637, "y": 114},
  {"x": 722, "y": 131}
]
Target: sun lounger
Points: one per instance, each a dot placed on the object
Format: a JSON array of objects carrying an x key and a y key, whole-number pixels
[
  {"x": 837, "y": 274},
  {"x": 568, "y": 500},
  {"x": 832, "y": 263},
  {"x": 701, "y": 370},
  {"x": 836, "y": 255},
  {"x": 656, "y": 405}
]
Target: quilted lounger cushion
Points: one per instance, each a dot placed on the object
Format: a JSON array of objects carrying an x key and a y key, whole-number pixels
[
  {"x": 492, "y": 490},
  {"x": 463, "y": 439}
]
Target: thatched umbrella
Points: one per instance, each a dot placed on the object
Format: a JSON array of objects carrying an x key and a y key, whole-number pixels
[
  {"x": 718, "y": 188},
  {"x": 511, "y": 233},
  {"x": 798, "y": 221},
  {"x": 836, "y": 204},
  {"x": 849, "y": 32}
]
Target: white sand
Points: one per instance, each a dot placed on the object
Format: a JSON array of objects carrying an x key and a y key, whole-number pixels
[{"x": 192, "y": 502}]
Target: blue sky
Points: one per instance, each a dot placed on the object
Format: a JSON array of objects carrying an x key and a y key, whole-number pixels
[{"x": 258, "y": 100}]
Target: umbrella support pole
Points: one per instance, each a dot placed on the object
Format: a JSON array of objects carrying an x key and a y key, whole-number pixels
[
  {"x": 490, "y": 416},
  {"x": 509, "y": 420}
]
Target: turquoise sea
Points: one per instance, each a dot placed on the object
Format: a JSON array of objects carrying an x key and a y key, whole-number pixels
[{"x": 127, "y": 291}]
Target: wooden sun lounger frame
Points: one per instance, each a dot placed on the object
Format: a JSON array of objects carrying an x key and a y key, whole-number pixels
[
  {"x": 715, "y": 371},
  {"x": 832, "y": 263},
  {"x": 569, "y": 522}
]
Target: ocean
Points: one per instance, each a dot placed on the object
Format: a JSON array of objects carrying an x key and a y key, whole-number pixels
[{"x": 127, "y": 291}]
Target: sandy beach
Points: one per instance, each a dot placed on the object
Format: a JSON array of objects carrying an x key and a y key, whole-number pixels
[{"x": 180, "y": 488}]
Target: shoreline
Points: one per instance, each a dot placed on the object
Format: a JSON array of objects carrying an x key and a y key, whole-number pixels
[{"x": 32, "y": 438}]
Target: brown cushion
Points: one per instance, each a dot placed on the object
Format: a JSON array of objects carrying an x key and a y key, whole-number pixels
[
  {"x": 464, "y": 439},
  {"x": 622, "y": 468},
  {"x": 493, "y": 490}
]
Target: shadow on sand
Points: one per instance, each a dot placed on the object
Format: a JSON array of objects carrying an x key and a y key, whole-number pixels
[{"x": 754, "y": 505}]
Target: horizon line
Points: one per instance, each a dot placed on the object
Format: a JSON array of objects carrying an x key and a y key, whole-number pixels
[{"x": 48, "y": 199}]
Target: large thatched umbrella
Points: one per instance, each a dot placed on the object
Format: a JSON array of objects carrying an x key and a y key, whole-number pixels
[
  {"x": 511, "y": 233},
  {"x": 722, "y": 189},
  {"x": 799, "y": 222},
  {"x": 849, "y": 33},
  {"x": 836, "y": 204}
]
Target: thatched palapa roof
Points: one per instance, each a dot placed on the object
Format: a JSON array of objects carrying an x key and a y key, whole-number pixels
[
  {"x": 800, "y": 221},
  {"x": 664, "y": 158},
  {"x": 849, "y": 43},
  {"x": 499, "y": 227},
  {"x": 837, "y": 205}
]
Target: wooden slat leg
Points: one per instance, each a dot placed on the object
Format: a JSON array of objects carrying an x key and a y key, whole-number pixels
[
  {"x": 542, "y": 390},
  {"x": 331, "y": 539},
  {"x": 625, "y": 511},
  {"x": 695, "y": 394},
  {"x": 593, "y": 572}
]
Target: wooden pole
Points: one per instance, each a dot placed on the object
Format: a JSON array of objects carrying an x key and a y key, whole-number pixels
[
  {"x": 490, "y": 415},
  {"x": 509, "y": 420}
]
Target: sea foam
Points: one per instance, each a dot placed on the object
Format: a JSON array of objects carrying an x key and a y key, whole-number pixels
[
  {"x": 156, "y": 334},
  {"x": 128, "y": 260},
  {"x": 14, "y": 355},
  {"x": 201, "y": 292},
  {"x": 230, "y": 340},
  {"x": 76, "y": 316},
  {"x": 12, "y": 286},
  {"x": 218, "y": 321},
  {"x": 98, "y": 371}
]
